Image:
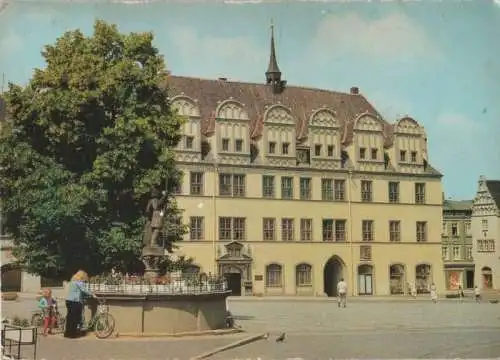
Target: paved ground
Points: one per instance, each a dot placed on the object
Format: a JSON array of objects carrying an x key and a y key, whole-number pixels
[{"x": 317, "y": 330}]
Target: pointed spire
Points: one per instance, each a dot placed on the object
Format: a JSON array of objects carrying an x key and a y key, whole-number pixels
[
  {"x": 273, "y": 73},
  {"x": 273, "y": 68}
]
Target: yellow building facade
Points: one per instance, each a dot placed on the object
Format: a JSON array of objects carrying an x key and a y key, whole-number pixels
[{"x": 288, "y": 189}]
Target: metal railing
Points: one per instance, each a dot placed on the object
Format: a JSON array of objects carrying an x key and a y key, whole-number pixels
[
  {"x": 167, "y": 284},
  {"x": 15, "y": 339}
]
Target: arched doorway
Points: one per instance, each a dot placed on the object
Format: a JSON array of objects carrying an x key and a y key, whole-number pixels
[
  {"x": 423, "y": 278},
  {"x": 11, "y": 278},
  {"x": 487, "y": 277},
  {"x": 332, "y": 273},
  {"x": 365, "y": 279},
  {"x": 396, "y": 279}
]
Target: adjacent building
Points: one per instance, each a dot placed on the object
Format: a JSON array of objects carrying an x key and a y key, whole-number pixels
[
  {"x": 486, "y": 234},
  {"x": 457, "y": 244},
  {"x": 287, "y": 189}
]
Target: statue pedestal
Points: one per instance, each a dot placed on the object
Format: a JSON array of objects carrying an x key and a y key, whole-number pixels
[{"x": 151, "y": 257}]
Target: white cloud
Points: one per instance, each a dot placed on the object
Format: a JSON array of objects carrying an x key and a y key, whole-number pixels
[
  {"x": 217, "y": 53},
  {"x": 394, "y": 36}
]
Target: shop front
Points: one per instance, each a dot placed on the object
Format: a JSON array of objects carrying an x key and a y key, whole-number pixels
[{"x": 458, "y": 275}]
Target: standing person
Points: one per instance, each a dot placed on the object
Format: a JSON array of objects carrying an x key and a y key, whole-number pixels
[
  {"x": 48, "y": 305},
  {"x": 434, "y": 296},
  {"x": 77, "y": 292},
  {"x": 342, "y": 293},
  {"x": 413, "y": 290},
  {"x": 461, "y": 294},
  {"x": 477, "y": 294}
]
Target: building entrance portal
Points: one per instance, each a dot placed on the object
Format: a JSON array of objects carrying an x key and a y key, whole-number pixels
[
  {"x": 234, "y": 283},
  {"x": 11, "y": 278},
  {"x": 332, "y": 273}
]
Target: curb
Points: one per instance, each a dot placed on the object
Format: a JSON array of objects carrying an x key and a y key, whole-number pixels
[
  {"x": 178, "y": 335},
  {"x": 233, "y": 345}
]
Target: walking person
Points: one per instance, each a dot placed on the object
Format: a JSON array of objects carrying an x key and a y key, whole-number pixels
[
  {"x": 77, "y": 292},
  {"x": 413, "y": 290},
  {"x": 434, "y": 295},
  {"x": 342, "y": 293},
  {"x": 477, "y": 294}
]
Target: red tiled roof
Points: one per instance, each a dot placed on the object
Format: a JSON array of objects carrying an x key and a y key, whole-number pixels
[{"x": 302, "y": 101}]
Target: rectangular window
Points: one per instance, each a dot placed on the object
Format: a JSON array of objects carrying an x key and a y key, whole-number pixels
[
  {"x": 339, "y": 190},
  {"x": 196, "y": 183},
  {"x": 287, "y": 187},
  {"x": 374, "y": 154},
  {"x": 232, "y": 185},
  {"x": 196, "y": 228},
  {"x": 189, "y": 142},
  {"x": 395, "y": 231},
  {"x": 467, "y": 226},
  {"x": 287, "y": 229},
  {"x": 327, "y": 189},
  {"x": 305, "y": 229},
  {"x": 413, "y": 156},
  {"x": 402, "y": 155},
  {"x": 285, "y": 147},
  {"x": 225, "y": 144},
  {"x": 331, "y": 151},
  {"x": 317, "y": 150},
  {"x": 269, "y": 227},
  {"x": 305, "y": 188},
  {"x": 456, "y": 253},
  {"x": 367, "y": 227},
  {"x": 268, "y": 186},
  {"x": 419, "y": 193},
  {"x": 225, "y": 228},
  {"x": 393, "y": 192},
  {"x": 421, "y": 231},
  {"x": 239, "y": 229},
  {"x": 340, "y": 230},
  {"x": 362, "y": 153},
  {"x": 272, "y": 147},
  {"x": 239, "y": 185},
  {"x": 303, "y": 275},
  {"x": 468, "y": 253},
  {"x": 225, "y": 184},
  {"x": 328, "y": 229},
  {"x": 238, "y": 145},
  {"x": 366, "y": 190},
  {"x": 454, "y": 229},
  {"x": 444, "y": 253}
]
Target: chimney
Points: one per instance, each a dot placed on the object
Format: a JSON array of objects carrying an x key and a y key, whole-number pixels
[
  {"x": 222, "y": 79},
  {"x": 354, "y": 90}
]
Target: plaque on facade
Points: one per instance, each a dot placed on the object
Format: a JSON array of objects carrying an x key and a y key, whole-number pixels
[{"x": 259, "y": 277}]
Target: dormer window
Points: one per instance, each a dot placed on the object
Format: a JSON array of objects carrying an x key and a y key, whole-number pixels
[
  {"x": 362, "y": 153},
  {"x": 284, "y": 148},
  {"x": 330, "y": 151},
  {"x": 225, "y": 144},
  {"x": 317, "y": 150},
  {"x": 238, "y": 145},
  {"x": 402, "y": 155},
  {"x": 413, "y": 156},
  {"x": 272, "y": 147},
  {"x": 374, "y": 154},
  {"x": 189, "y": 142}
]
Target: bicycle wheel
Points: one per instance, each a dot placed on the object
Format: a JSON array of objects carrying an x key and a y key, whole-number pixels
[
  {"x": 61, "y": 323},
  {"x": 104, "y": 325},
  {"x": 37, "y": 320}
]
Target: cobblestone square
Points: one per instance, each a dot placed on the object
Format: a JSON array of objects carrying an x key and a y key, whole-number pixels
[{"x": 315, "y": 330}]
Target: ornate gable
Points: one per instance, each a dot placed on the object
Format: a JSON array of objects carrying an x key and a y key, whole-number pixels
[
  {"x": 185, "y": 106},
  {"x": 231, "y": 109},
  {"x": 368, "y": 122},
  {"x": 235, "y": 251},
  {"x": 484, "y": 203},
  {"x": 323, "y": 118},
  {"x": 278, "y": 114}
]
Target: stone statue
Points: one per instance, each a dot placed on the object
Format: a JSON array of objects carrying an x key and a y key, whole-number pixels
[{"x": 155, "y": 211}]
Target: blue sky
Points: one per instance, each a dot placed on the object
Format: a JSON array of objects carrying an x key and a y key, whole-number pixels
[{"x": 438, "y": 61}]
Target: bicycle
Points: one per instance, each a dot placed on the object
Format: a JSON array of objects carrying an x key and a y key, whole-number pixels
[
  {"x": 38, "y": 316},
  {"x": 103, "y": 323}
]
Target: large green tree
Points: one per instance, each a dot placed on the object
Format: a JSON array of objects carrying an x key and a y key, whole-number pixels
[{"x": 85, "y": 142}]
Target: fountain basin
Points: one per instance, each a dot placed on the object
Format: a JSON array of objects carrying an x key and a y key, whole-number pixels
[{"x": 164, "y": 313}]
